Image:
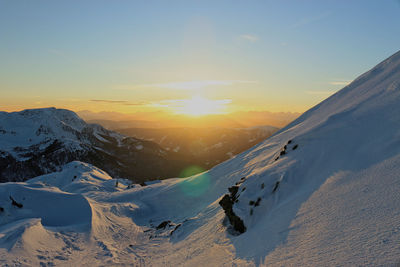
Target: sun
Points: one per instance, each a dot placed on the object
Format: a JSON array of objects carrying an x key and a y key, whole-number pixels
[{"x": 200, "y": 106}]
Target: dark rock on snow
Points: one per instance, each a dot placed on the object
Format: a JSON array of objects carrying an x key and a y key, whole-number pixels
[
  {"x": 276, "y": 186},
  {"x": 15, "y": 203},
  {"x": 163, "y": 225},
  {"x": 237, "y": 223}
]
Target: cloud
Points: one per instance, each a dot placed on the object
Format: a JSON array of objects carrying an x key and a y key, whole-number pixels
[
  {"x": 188, "y": 85},
  {"x": 121, "y": 102},
  {"x": 174, "y": 103},
  {"x": 249, "y": 37},
  {"x": 108, "y": 101},
  {"x": 320, "y": 92},
  {"x": 137, "y": 104},
  {"x": 340, "y": 82}
]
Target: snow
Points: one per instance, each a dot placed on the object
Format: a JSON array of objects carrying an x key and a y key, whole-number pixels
[
  {"x": 77, "y": 177},
  {"x": 230, "y": 154},
  {"x": 53, "y": 207},
  {"x": 43, "y": 122},
  {"x": 352, "y": 218},
  {"x": 327, "y": 186},
  {"x": 39, "y": 127},
  {"x": 139, "y": 147}
]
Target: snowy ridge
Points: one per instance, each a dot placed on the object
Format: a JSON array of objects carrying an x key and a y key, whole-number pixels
[
  {"x": 321, "y": 192},
  {"x": 39, "y": 126}
]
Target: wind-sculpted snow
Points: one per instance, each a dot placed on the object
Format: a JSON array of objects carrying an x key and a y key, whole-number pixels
[
  {"x": 77, "y": 177},
  {"x": 53, "y": 207},
  {"x": 321, "y": 192},
  {"x": 51, "y": 216}
]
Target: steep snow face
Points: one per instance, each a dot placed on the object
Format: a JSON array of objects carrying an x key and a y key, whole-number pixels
[
  {"x": 354, "y": 129},
  {"x": 321, "y": 192}
]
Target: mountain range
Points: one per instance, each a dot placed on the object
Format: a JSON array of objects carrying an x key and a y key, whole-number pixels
[
  {"x": 161, "y": 119},
  {"x": 38, "y": 141},
  {"x": 206, "y": 147}
]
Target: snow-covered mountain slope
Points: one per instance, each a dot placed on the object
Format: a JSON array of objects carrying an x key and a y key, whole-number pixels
[
  {"x": 324, "y": 191},
  {"x": 38, "y": 141}
]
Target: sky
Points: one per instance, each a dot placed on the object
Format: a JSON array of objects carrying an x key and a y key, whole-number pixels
[{"x": 181, "y": 56}]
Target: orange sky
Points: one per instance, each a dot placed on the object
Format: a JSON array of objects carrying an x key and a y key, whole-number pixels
[{"x": 199, "y": 58}]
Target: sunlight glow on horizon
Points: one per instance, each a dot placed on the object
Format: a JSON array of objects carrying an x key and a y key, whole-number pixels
[{"x": 199, "y": 106}]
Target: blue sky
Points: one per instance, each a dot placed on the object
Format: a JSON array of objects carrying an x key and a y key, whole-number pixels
[{"x": 262, "y": 55}]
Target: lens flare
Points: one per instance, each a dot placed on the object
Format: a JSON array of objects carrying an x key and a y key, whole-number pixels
[
  {"x": 197, "y": 185},
  {"x": 191, "y": 170}
]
